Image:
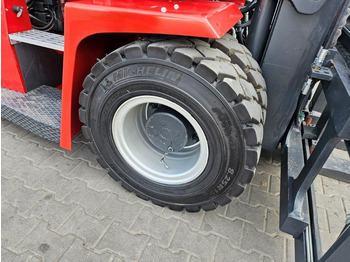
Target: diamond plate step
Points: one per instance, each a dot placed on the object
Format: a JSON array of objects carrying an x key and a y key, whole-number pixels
[
  {"x": 38, "y": 111},
  {"x": 39, "y": 38}
]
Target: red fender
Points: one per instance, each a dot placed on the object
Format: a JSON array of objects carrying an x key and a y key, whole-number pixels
[{"x": 84, "y": 18}]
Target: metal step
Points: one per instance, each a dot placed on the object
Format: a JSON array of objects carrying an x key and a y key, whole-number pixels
[
  {"x": 39, "y": 38},
  {"x": 38, "y": 111}
]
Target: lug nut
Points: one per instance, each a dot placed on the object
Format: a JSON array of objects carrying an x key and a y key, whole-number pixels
[{"x": 170, "y": 149}]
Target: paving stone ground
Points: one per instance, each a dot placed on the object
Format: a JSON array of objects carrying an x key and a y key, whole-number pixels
[{"x": 60, "y": 205}]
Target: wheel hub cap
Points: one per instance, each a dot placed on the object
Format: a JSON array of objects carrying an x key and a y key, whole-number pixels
[{"x": 166, "y": 132}]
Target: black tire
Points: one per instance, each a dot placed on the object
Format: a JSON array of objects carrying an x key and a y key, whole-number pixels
[{"x": 217, "y": 81}]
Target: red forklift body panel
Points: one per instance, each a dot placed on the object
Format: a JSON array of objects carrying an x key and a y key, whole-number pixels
[
  {"x": 84, "y": 18},
  {"x": 11, "y": 75}
]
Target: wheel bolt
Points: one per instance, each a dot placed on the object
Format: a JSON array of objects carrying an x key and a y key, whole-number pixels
[{"x": 170, "y": 149}]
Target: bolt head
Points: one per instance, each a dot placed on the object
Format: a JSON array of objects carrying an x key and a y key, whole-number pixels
[
  {"x": 163, "y": 9},
  {"x": 176, "y": 6}
]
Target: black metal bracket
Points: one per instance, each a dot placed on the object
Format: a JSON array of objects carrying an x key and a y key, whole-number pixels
[
  {"x": 299, "y": 168},
  {"x": 323, "y": 73},
  {"x": 339, "y": 251}
]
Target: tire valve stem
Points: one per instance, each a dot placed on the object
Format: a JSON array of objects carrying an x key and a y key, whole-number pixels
[{"x": 162, "y": 160}]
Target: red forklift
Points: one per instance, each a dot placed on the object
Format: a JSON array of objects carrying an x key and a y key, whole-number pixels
[{"x": 178, "y": 98}]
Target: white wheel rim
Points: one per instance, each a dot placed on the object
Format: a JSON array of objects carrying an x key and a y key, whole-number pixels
[{"x": 134, "y": 147}]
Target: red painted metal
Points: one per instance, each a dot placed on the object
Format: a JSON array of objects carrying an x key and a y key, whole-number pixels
[
  {"x": 84, "y": 18},
  {"x": 16, "y": 24},
  {"x": 11, "y": 75}
]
